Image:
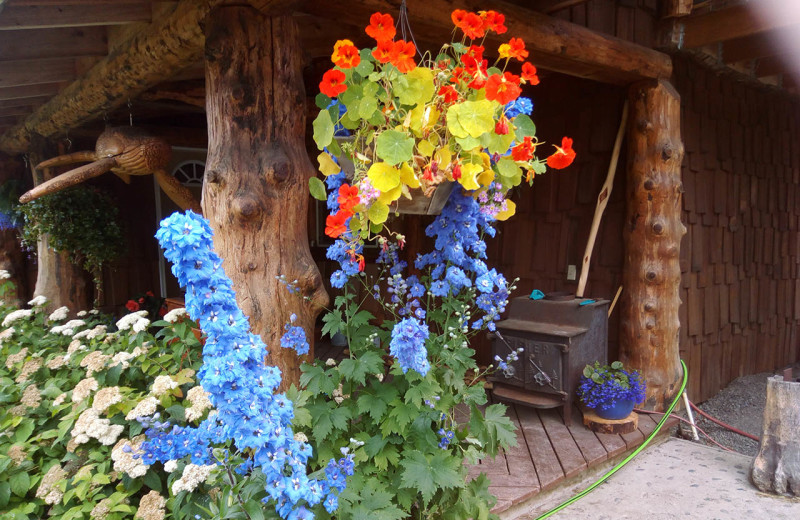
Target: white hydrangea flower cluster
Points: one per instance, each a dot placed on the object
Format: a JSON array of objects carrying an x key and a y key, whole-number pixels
[
  {"x": 339, "y": 396},
  {"x": 48, "y": 488},
  {"x": 95, "y": 361},
  {"x": 106, "y": 397},
  {"x": 17, "y": 453},
  {"x": 192, "y": 476},
  {"x": 38, "y": 301},
  {"x": 146, "y": 407},
  {"x": 16, "y": 315},
  {"x": 4, "y": 274},
  {"x": 96, "y": 332},
  {"x": 151, "y": 507},
  {"x": 90, "y": 426},
  {"x": 30, "y": 367},
  {"x": 82, "y": 314},
  {"x": 171, "y": 465},
  {"x": 133, "y": 320},
  {"x": 84, "y": 389},
  {"x": 59, "y": 314},
  {"x": 7, "y": 333},
  {"x": 57, "y": 362},
  {"x": 101, "y": 509},
  {"x": 200, "y": 403},
  {"x": 58, "y": 401},
  {"x": 123, "y": 456},
  {"x": 31, "y": 397},
  {"x": 175, "y": 315},
  {"x": 13, "y": 359},
  {"x": 67, "y": 329},
  {"x": 162, "y": 385}
]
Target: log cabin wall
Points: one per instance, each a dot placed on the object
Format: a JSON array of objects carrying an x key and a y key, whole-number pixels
[{"x": 740, "y": 258}]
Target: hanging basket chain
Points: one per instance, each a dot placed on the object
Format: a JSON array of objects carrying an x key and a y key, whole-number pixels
[{"x": 404, "y": 26}]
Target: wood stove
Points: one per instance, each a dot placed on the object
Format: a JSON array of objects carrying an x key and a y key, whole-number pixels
[{"x": 557, "y": 338}]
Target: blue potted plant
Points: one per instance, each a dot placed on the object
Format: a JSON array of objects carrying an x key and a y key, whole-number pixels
[{"x": 610, "y": 390}]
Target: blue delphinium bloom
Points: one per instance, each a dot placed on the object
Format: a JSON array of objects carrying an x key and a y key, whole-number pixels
[
  {"x": 295, "y": 337},
  {"x": 242, "y": 389},
  {"x": 521, "y": 105},
  {"x": 408, "y": 345}
]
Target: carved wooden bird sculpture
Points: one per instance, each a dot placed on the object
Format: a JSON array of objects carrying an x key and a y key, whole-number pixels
[{"x": 125, "y": 151}]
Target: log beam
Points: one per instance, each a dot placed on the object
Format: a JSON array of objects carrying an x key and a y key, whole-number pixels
[
  {"x": 42, "y": 89},
  {"x": 50, "y": 16},
  {"x": 735, "y": 22},
  {"x": 53, "y": 43},
  {"x": 255, "y": 190},
  {"x": 652, "y": 234},
  {"x": 554, "y": 44},
  {"x": 20, "y": 73}
]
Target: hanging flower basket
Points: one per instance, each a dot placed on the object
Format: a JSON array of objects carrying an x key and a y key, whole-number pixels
[{"x": 417, "y": 129}]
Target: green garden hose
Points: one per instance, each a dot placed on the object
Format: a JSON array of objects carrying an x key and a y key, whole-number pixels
[{"x": 629, "y": 457}]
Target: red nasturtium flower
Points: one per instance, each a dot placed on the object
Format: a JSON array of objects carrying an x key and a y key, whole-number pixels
[
  {"x": 503, "y": 89},
  {"x": 472, "y": 26},
  {"x": 493, "y": 21},
  {"x": 515, "y": 48},
  {"x": 501, "y": 127},
  {"x": 132, "y": 306},
  {"x": 345, "y": 54},
  {"x": 529, "y": 74},
  {"x": 403, "y": 53},
  {"x": 335, "y": 224},
  {"x": 383, "y": 52},
  {"x": 332, "y": 83},
  {"x": 524, "y": 150},
  {"x": 564, "y": 155},
  {"x": 458, "y": 17},
  {"x": 381, "y": 27},
  {"x": 348, "y": 197},
  {"x": 449, "y": 94}
]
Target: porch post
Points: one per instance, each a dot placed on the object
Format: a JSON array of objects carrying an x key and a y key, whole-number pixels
[
  {"x": 255, "y": 191},
  {"x": 652, "y": 234}
]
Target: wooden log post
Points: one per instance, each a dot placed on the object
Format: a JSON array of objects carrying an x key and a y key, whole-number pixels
[
  {"x": 776, "y": 468},
  {"x": 255, "y": 192},
  {"x": 649, "y": 321}
]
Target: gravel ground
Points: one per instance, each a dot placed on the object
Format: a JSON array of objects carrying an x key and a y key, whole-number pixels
[{"x": 740, "y": 404}]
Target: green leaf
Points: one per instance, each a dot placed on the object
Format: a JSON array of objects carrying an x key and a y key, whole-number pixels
[
  {"x": 616, "y": 365},
  {"x": 500, "y": 426},
  {"x": 255, "y": 509},
  {"x": 367, "y": 106},
  {"x": 5, "y": 493},
  {"x": 323, "y": 129},
  {"x": 415, "y": 87},
  {"x": 152, "y": 480},
  {"x": 24, "y": 431},
  {"x": 366, "y": 67},
  {"x": 20, "y": 483},
  {"x": 372, "y": 404},
  {"x": 510, "y": 173},
  {"x": 317, "y": 189},
  {"x": 428, "y": 474},
  {"x": 475, "y": 117},
  {"x": 383, "y": 176},
  {"x": 378, "y": 212},
  {"x": 394, "y": 147},
  {"x": 497, "y": 143},
  {"x": 524, "y": 127},
  {"x": 322, "y": 101}
]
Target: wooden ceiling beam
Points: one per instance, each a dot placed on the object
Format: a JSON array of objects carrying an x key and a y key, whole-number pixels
[
  {"x": 44, "y": 89},
  {"x": 23, "y": 102},
  {"x": 16, "y": 111},
  {"x": 51, "y": 16},
  {"x": 32, "y": 72},
  {"x": 53, "y": 43},
  {"x": 78, "y": 2},
  {"x": 757, "y": 45},
  {"x": 553, "y": 44},
  {"x": 772, "y": 65},
  {"x": 738, "y": 21}
]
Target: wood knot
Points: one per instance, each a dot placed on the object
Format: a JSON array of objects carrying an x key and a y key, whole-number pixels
[
  {"x": 667, "y": 152},
  {"x": 650, "y": 306},
  {"x": 650, "y": 323},
  {"x": 649, "y": 184},
  {"x": 645, "y": 125},
  {"x": 246, "y": 208},
  {"x": 658, "y": 227},
  {"x": 213, "y": 176},
  {"x": 281, "y": 171},
  {"x": 651, "y": 276},
  {"x": 252, "y": 266}
]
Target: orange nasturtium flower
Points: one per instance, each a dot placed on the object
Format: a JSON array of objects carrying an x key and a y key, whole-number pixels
[
  {"x": 493, "y": 21},
  {"x": 332, "y": 83},
  {"x": 515, "y": 48},
  {"x": 503, "y": 89},
  {"x": 449, "y": 94},
  {"x": 472, "y": 26},
  {"x": 383, "y": 52},
  {"x": 524, "y": 150},
  {"x": 348, "y": 197},
  {"x": 458, "y": 17},
  {"x": 381, "y": 27},
  {"x": 529, "y": 74},
  {"x": 345, "y": 54},
  {"x": 335, "y": 224},
  {"x": 403, "y": 53},
  {"x": 564, "y": 155}
]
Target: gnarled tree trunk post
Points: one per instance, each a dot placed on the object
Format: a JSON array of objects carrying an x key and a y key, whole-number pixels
[
  {"x": 58, "y": 279},
  {"x": 649, "y": 322},
  {"x": 255, "y": 192}
]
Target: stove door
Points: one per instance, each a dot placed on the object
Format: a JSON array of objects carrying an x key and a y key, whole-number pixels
[{"x": 543, "y": 366}]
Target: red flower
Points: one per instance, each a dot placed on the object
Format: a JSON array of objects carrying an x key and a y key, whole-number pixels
[
  {"x": 332, "y": 83},
  {"x": 132, "y": 306},
  {"x": 149, "y": 293},
  {"x": 475, "y": 51},
  {"x": 449, "y": 94},
  {"x": 524, "y": 150},
  {"x": 458, "y": 73},
  {"x": 493, "y": 21},
  {"x": 141, "y": 300},
  {"x": 564, "y": 155},
  {"x": 348, "y": 197},
  {"x": 383, "y": 52},
  {"x": 529, "y": 74},
  {"x": 472, "y": 26},
  {"x": 381, "y": 27},
  {"x": 345, "y": 54},
  {"x": 503, "y": 89},
  {"x": 501, "y": 128},
  {"x": 457, "y": 171},
  {"x": 515, "y": 48},
  {"x": 403, "y": 53},
  {"x": 335, "y": 224},
  {"x": 458, "y": 17}
]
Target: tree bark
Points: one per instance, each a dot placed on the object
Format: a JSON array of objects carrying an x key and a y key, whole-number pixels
[
  {"x": 58, "y": 279},
  {"x": 649, "y": 322},
  {"x": 255, "y": 192},
  {"x": 776, "y": 468}
]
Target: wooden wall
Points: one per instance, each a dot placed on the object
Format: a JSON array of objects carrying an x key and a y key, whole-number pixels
[{"x": 741, "y": 256}]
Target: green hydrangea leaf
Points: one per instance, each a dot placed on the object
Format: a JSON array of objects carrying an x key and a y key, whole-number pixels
[{"x": 394, "y": 147}]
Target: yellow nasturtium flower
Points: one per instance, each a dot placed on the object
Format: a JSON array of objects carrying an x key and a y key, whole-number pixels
[
  {"x": 469, "y": 173},
  {"x": 509, "y": 212},
  {"x": 408, "y": 177}
]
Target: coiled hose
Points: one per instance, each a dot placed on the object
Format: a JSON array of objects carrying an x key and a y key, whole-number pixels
[{"x": 629, "y": 457}]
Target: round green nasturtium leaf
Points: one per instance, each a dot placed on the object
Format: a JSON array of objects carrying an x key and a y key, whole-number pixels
[
  {"x": 468, "y": 143},
  {"x": 383, "y": 176},
  {"x": 378, "y": 212},
  {"x": 524, "y": 127},
  {"x": 508, "y": 169},
  {"x": 367, "y": 106},
  {"x": 394, "y": 147},
  {"x": 616, "y": 365},
  {"x": 323, "y": 129},
  {"x": 317, "y": 189},
  {"x": 365, "y": 68},
  {"x": 453, "y": 124},
  {"x": 417, "y": 88},
  {"x": 498, "y": 143},
  {"x": 476, "y": 117},
  {"x": 322, "y": 101}
]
